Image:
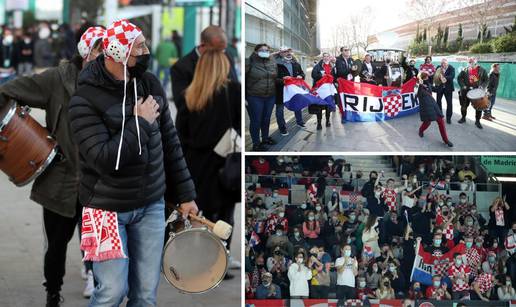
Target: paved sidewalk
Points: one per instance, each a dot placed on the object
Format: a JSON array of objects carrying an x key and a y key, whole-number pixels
[
  {"x": 21, "y": 258},
  {"x": 402, "y": 134}
]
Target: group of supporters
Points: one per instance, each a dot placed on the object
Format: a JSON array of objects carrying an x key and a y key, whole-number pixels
[
  {"x": 266, "y": 71},
  {"x": 365, "y": 248}
]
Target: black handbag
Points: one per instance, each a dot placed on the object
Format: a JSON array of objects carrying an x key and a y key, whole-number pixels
[{"x": 230, "y": 174}]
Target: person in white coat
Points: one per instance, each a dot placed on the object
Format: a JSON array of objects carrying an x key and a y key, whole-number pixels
[{"x": 299, "y": 275}]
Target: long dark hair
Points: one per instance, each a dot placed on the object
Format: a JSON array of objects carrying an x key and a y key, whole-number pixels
[{"x": 371, "y": 220}]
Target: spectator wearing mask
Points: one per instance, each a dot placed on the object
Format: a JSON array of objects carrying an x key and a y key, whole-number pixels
[
  {"x": 410, "y": 70},
  {"x": 459, "y": 274},
  {"x": 499, "y": 219},
  {"x": 473, "y": 257},
  {"x": 324, "y": 67},
  {"x": 278, "y": 240},
  {"x": 466, "y": 171},
  {"x": 297, "y": 240},
  {"x": 390, "y": 192},
  {"x": 299, "y": 275},
  {"x": 347, "y": 270},
  {"x": 319, "y": 263},
  {"x": 385, "y": 291},
  {"x": 7, "y": 51},
  {"x": 287, "y": 67},
  {"x": 506, "y": 291},
  {"x": 363, "y": 292},
  {"x": 489, "y": 266},
  {"x": 482, "y": 287},
  {"x": 25, "y": 54},
  {"x": 492, "y": 86},
  {"x": 43, "y": 54},
  {"x": 268, "y": 290},
  {"x": 415, "y": 292},
  {"x": 438, "y": 290},
  {"x": 437, "y": 248},
  {"x": 311, "y": 228},
  {"x": 463, "y": 206},
  {"x": 260, "y": 74},
  {"x": 397, "y": 279},
  {"x": 373, "y": 275}
]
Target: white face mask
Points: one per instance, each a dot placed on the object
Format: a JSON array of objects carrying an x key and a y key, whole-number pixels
[
  {"x": 44, "y": 33},
  {"x": 311, "y": 218},
  {"x": 362, "y": 284},
  {"x": 8, "y": 40},
  {"x": 279, "y": 233},
  {"x": 318, "y": 208},
  {"x": 299, "y": 260},
  {"x": 281, "y": 214},
  {"x": 26, "y": 40},
  {"x": 462, "y": 200},
  {"x": 264, "y": 54}
]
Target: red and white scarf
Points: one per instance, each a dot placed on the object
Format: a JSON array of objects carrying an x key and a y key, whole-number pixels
[{"x": 100, "y": 239}]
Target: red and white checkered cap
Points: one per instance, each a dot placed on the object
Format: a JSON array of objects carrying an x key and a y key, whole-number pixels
[
  {"x": 88, "y": 39},
  {"x": 118, "y": 40}
]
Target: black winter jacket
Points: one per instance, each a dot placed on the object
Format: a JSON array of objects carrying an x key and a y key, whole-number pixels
[
  {"x": 343, "y": 67},
  {"x": 428, "y": 108},
  {"x": 96, "y": 120}
]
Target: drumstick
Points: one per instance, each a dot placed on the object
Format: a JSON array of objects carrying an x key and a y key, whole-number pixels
[{"x": 221, "y": 229}]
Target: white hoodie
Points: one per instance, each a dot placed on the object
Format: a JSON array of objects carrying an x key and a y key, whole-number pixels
[{"x": 299, "y": 280}]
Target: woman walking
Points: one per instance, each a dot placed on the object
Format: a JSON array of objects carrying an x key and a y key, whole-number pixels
[{"x": 428, "y": 109}]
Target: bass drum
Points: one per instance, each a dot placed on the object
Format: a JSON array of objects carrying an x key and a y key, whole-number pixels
[
  {"x": 479, "y": 99},
  {"x": 195, "y": 260}
]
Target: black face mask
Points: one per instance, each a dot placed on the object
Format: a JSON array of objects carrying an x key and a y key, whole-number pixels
[{"x": 141, "y": 66}]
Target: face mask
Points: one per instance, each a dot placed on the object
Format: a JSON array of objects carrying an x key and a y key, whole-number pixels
[
  {"x": 141, "y": 66},
  {"x": 421, "y": 170},
  {"x": 296, "y": 234},
  {"x": 437, "y": 242},
  {"x": 462, "y": 200},
  {"x": 303, "y": 206},
  {"x": 495, "y": 245},
  {"x": 417, "y": 289},
  {"x": 26, "y": 40},
  {"x": 437, "y": 283},
  {"x": 44, "y": 33},
  {"x": 8, "y": 40},
  {"x": 352, "y": 218},
  {"x": 362, "y": 284},
  {"x": 392, "y": 269},
  {"x": 375, "y": 269},
  {"x": 318, "y": 208},
  {"x": 409, "y": 189},
  {"x": 469, "y": 244},
  {"x": 311, "y": 218},
  {"x": 264, "y": 54},
  {"x": 449, "y": 203},
  {"x": 348, "y": 240},
  {"x": 347, "y": 253},
  {"x": 458, "y": 262},
  {"x": 479, "y": 244},
  {"x": 330, "y": 164},
  {"x": 508, "y": 284},
  {"x": 288, "y": 57},
  {"x": 266, "y": 283},
  {"x": 279, "y": 233},
  {"x": 299, "y": 260},
  {"x": 492, "y": 259},
  {"x": 469, "y": 223},
  {"x": 281, "y": 214}
]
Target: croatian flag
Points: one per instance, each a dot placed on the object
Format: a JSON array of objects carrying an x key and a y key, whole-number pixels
[
  {"x": 365, "y": 102},
  {"x": 297, "y": 95},
  {"x": 325, "y": 89},
  {"x": 350, "y": 199},
  {"x": 426, "y": 265},
  {"x": 254, "y": 240}
]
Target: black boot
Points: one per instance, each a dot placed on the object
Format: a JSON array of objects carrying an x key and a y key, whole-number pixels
[
  {"x": 54, "y": 299},
  {"x": 319, "y": 126},
  {"x": 462, "y": 120},
  {"x": 479, "y": 126}
]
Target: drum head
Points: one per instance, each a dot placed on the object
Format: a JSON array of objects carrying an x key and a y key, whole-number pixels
[
  {"x": 475, "y": 93},
  {"x": 194, "y": 260}
]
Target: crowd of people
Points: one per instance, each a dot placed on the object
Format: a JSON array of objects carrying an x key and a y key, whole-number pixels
[
  {"x": 266, "y": 71},
  {"x": 84, "y": 80},
  {"x": 325, "y": 247}
]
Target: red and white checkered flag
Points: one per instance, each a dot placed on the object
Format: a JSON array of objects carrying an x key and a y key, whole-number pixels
[{"x": 392, "y": 102}]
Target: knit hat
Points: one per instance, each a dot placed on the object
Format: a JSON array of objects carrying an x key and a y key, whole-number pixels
[
  {"x": 88, "y": 39},
  {"x": 118, "y": 42}
]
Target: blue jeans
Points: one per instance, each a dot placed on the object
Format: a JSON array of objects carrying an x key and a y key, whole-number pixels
[
  {"x": 492, "y": 100},
  {"x": 142, "y": 232},
  {"x": 166, "y": 74},
  {"x": 260, "y": 111},
  {"x": 280, "y": 117}
]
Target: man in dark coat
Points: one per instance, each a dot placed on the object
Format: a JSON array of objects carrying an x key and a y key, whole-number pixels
[
  {"x": 368, "y": 71},
  {"x": 56, "y": 188},
  {"x": 429, "y": 111},
  {"x": 344, "y": 64},
  {"x": 410, "y": 70},
  {"x": 473, "y": 76},
  {"x": 287, "y": 67},
  {"x": 444, "y": 87},
  {"x": 131, "y": 163},
  {"x": 323, "y": 67},
  {"x": 181, "y": 73},
  {"x": 492, "y": 86}
]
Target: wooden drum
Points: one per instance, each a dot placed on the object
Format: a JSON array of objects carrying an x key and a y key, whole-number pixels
[{"x": 26, "y": 149}]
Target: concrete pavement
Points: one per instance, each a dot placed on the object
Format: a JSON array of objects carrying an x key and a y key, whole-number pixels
[
  {"x": 21, "y": 258},
  {"x": 402, "y": 134}
]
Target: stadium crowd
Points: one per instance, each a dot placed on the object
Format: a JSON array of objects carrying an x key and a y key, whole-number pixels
[{"x": 364, "y": 247}]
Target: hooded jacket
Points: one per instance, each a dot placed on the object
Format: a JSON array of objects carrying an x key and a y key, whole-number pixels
[{"x": 96, "y": 119}]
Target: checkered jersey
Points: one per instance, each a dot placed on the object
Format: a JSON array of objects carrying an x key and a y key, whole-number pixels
[
  {"x": 473, "y": 260},
  {"x": 389, "y": 196},
  {"x": 461, "y": 274},
  {"x": 484, "y": 282}
]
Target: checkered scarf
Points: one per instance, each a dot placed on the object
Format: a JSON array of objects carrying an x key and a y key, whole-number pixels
[
  {"x": 100, "y": 238},
  {"x": 88, "y": 39}
]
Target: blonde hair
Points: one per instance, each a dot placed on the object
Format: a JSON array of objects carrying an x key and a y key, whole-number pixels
[{"x": 211, "y": 74}]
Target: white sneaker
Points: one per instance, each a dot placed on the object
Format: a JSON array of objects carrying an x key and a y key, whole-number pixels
[
  {"x": 84, "y": 274},
  {"x": 234, "y": 264},
  {"x": 90, "y": 286}
]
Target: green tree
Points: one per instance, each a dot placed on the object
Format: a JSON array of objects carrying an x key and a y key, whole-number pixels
[
  {"x": 460, "y": 38},
  {"x": 511, "y": 29},
  {"x": 424, "y": 35},
  {"x": 445, "y": 36}
]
